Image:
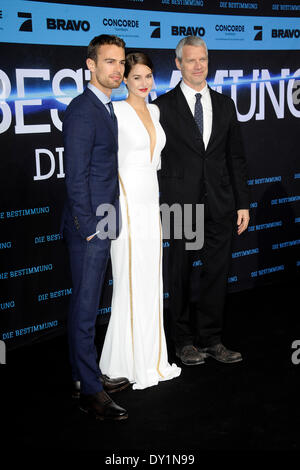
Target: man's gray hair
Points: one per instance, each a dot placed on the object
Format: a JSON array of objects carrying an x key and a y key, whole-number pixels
[{"x": 189, "y": 41}]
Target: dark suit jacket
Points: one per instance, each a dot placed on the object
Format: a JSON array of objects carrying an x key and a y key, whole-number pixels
[
  {"x": 188, "y": 171},
  {"x": 90, "y": 162}
]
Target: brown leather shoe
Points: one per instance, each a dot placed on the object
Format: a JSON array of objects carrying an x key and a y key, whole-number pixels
[
  {"x": 101, "y": 406},
  {"x": 220, "y": 353},
  {"x": 114, "y": 385},
  {"x": 190, "y": 356}
]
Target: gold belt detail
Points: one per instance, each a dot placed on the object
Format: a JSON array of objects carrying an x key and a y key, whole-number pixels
[
  {"x": 159, "y": 313},
  {"x": 130, "y": 261}
]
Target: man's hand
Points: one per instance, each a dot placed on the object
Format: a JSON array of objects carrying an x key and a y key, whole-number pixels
[{"x": 242, "y": 220}]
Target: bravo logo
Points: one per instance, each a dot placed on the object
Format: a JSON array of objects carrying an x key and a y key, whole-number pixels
[
  {"x": 67, "y": 25},
  {"x": 285, "y": 33},
  {"x": 187, "y": 31}
]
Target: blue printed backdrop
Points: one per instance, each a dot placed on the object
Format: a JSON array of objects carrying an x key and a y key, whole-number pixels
[{"x": 253, "y": 59}]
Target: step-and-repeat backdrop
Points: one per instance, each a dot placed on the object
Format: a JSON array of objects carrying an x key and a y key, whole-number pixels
[{"x": 254, "y": 58}]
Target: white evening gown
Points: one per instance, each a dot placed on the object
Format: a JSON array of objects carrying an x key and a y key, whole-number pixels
[{"x": 135, "y": 345}]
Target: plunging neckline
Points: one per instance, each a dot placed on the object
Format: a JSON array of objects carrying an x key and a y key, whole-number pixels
[{"x": 151, "y": 156}]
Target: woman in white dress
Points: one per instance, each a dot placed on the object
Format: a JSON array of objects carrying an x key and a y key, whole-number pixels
[{"x": 135, "y": 345}]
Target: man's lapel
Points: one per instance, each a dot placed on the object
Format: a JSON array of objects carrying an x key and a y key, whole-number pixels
[
  {"x": 189, "y": 124},
  {"x": 216, "y": 119},
  {"x": 112, "y": 124}
]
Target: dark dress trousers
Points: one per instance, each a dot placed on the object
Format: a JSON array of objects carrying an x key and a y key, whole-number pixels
[
  {"x": 91, "y": 168},
  {"x": 217, "y": 177}
]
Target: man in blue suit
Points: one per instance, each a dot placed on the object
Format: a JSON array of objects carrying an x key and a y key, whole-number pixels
[{"x": 91, "y": 166}]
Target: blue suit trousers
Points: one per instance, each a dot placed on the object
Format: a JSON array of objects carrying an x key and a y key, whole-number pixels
[{"x": 88, "y": 261}]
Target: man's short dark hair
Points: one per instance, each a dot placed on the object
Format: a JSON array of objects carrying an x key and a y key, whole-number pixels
[{"x": 102, "y": 40}]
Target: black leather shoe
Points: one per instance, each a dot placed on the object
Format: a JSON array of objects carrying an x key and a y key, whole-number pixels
[
  {"x": 109, "y": 385},
  {"x": 190, "y": 356},
  {"x": 114, "y": 385},
  {"x": 222, "y": 354},
  {"x": 101, "y": 406}
]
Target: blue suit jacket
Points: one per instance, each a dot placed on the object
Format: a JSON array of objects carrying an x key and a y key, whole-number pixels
[{"x": 90, "y": 162}]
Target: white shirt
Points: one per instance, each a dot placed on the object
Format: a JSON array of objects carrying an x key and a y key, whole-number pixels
[{"x": 189, "y": 94}]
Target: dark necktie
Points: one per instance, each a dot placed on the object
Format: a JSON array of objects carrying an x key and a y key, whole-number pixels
[
  {"x": 111, "y": 109},
  {"x": 199, "y": 112}
]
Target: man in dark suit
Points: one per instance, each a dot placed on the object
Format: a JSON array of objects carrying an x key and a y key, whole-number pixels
[
  {"x": 91, "y": 166},
  {"x": 202, "y": 163}
]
